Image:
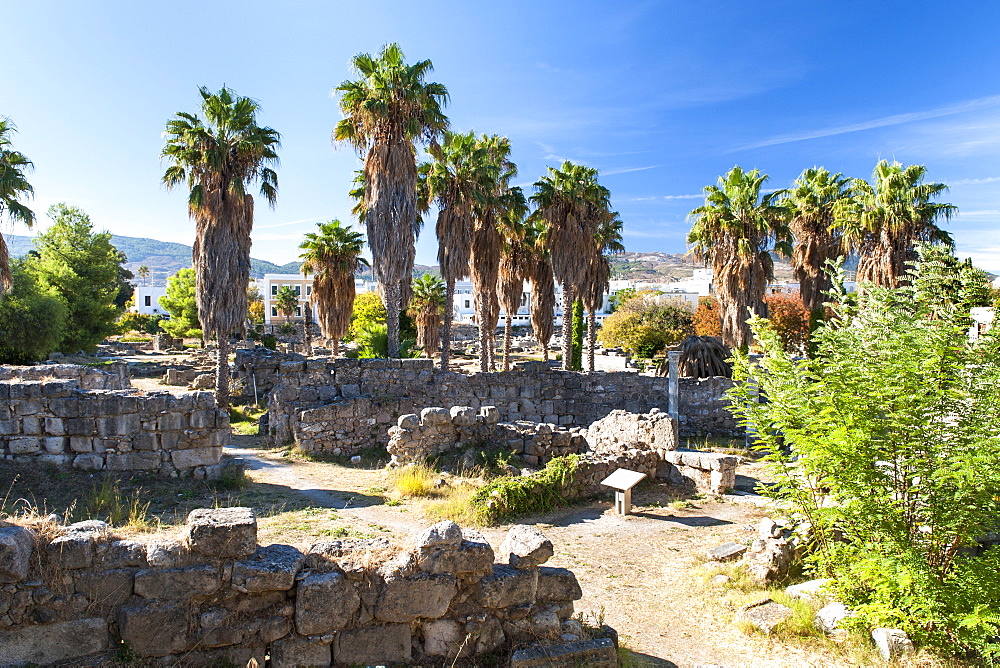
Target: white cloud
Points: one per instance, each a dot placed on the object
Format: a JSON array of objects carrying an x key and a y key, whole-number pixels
[
  {"x": 291, "y": 222},
  {"x": 980, "y": 212},
  {"x": 669, "y": 197},
  {"x": 627, "y": 170},
  {"x": 974, "y": 182}
]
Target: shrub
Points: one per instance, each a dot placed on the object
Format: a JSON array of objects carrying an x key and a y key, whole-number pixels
[
  {"x": 139, "y": 322},
  {"x": 708, "y": 317},
  {"x": 887, "y": 440},
  {"x": 32, "y": 319},
  {"x": 646, "y": 324},
  {"x": 510, "y": 496},
  {"x": 790, "y": 319}
]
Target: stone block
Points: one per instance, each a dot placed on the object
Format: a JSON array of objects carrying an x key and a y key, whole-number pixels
[
  {"x": 893, "y": 644},
  {"x": 598, "y": 653},
  {"x": 525, "y": 547},
  {"x": 490, "y": 415},
  {"x": 178, "y": 582},
  {"x": 324, "y": 602},
  {"x": 73, "y": 550},
  {"x": 404, "y": 599},
  {"x": 435, "y": 416},
  {"x": 23, "y": 446},
  {"x": 445, "y": 637},
  {"x": 145, "y": 442},
  {"x": 125, "y": 553},
  {"x": 557, "y": 584},
  {"x": 442, "y": 534},
  {"x": 47, "y": 644},
  {"x": 765, "y": 614},
  {"x": 155, "y": 629},
  {"x": 271, "y": 568},
  {"x": 133, "y": 461},
  {"x": 352, "y": 556},
  {"x": 106, "y": 590},
  {"x": 295, "y": 652},
  {"x": 409, "y": 421},
  {"x": 88, "y": 462},
  {"x": 187, "y": 459},
  {"x": 829, "y": 617},
  {"x": 374, "y": 645},
  {"x": 727, "y": 552},
  {"x": 463, "y": 416},
  {"x": 508, "y": 586},
  {"x": 16, "y": 546},
  {"x": 54, "y": 445},
  {"x": 222, "y": 532},
  {"x": 473, "y": 556},
  {"x": 81, "y": 444},
  {"x": 812, "y": 590}
]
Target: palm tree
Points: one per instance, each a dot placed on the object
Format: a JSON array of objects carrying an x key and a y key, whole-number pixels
[
  {"x": 515, "y": 263},
  {"x": 333, "y": 257},
  {"x": 286, "y": 301},
  {"x": 457, "y": 181},
  {"x": 13, "y": 186},
  {"x": 811, "y": 201},
  {"x": 886, "y": 218},
  {"x": 543, "y": 289},
  {"x": 608, "y": 241},
  {"x": 735, "y": 231},
  {"x": 571, "y": 203},
  {"x": 386, "y": 111},
  {"x": 218, "y": 159},
  {"x": 143, "y": 273},
  {"x": 426, "y": 308}
]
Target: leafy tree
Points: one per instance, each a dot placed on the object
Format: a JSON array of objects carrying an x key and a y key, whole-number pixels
[
  {"x": 790, "y": 319},
  {"x": 286, "y": 301},
  {"x": 577, "y": 315},
  {"x": 620, "y": 297},
  {"x": 951, "y": 281},
  {"x": 130, "y": 321},
  {"x": 735, "y": 231},
  {"x": 645, "y": 325},
  {"x": 13, "y": 187},
  {"x": 333, "y": 257},
  {"x": 181, "y": 302},
  {"x": 886, "y": 218},
  {"x": 886, "y": 440},
  {"x": 126, "y": 291},
  {"x": 426, "y": 307},
  {"x": 707, "y": 318},
  {"x": 218, "y": 159},
  {"x": 369, "y": 309},
  {"x": 387, "y": 110},
  {"x": 83, "y": 268},
  {"x": 32, "y": 318},
  {"x": 255, "y": 305},
  {"x": 373, "y": 342}
]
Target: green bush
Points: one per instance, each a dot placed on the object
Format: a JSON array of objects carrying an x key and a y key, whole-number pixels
[
  {"x": 268, "y": 341},
  {"x": 32, "y": 319},
  {"x": 180, "y": 302},
  {"x": 373, "y": 343},
  {"x": 139, "y": 322},
  {"x": 888, "y": 440},
  {"x": 646, "y": 324},
  {"x": 510, "y": 496}
]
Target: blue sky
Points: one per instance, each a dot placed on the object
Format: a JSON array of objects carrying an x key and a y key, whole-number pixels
[{"x": 662, "y": 97}]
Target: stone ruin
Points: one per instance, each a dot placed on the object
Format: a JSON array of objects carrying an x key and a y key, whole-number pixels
[
  {"x": 644, "y": 442},
  {"x": 213, "y": 595}
]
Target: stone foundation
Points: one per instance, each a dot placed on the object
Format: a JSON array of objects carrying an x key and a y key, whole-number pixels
[{"x": 213, "y": 596}]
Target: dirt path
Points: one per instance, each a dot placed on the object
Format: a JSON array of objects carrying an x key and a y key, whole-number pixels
[{"x": 637, "y": 572}]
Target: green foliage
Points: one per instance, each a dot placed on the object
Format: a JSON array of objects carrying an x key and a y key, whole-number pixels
[
  {"x": 369, "y": 309},
  {"x": 623, "y": 295},
  {"x": 268, "y": 341},
  {"x": 32, "y": 319},
  {"x": 373, "y": 343},
  {"x": 887, "y": 441},
  {"x": 287, "y": 328},
  {"x": 949, "y": 281},
  {"x": 576, "y": 364},
  {"x": 510, "y": 496},
  {"x": 85, "y": 270},
  {"x": 139, "y": 322},
  {"x": 645, "y": 325},
  {"x": 179, "y": 302},
  {"x": 286, "y": 300}
]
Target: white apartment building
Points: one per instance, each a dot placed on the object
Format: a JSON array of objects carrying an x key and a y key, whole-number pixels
[
  {"x": 302, "y": 285},
  {"x": 147, "y": 299}
]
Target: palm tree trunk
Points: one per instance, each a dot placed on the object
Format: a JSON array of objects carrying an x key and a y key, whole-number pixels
[
  {"x": 507, "y": 329},
  {"x": 482, "y": 309},
  {"x": 222, "y": 372},
  {"x": 336, "y": 347},
  {"x": 392, "y": 298},
  {"x": 307, "y": 311},
  {"x": 567, "y": 328},
  {"x": 591, "y": 339},
  {"x": 449, "y": 309}
]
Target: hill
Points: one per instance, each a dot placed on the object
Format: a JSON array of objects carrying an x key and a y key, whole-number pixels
[
  {"x": 164, "y": 258},
  {"x": 668, "y": 267}
]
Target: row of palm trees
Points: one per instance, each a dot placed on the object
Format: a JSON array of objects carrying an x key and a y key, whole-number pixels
[{"x": 821, "y": 217}]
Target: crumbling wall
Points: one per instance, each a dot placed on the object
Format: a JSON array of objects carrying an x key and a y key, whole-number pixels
[
  {"x": 111, "y": 376},
  {"x": 57, "y": 422},
  {"x": 213, "y": 596}
]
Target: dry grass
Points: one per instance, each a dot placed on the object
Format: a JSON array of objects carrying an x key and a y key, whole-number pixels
[{"x": 416, "y": 480}]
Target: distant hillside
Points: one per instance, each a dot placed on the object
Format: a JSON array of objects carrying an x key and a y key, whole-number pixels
[
  {"x": 164, "y": 258},
  {"x": 669, "y": 267}
]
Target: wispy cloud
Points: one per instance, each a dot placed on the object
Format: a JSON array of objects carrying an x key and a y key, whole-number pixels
[
  {"x": 271, "y": 236},
  {"x": 291, "y": 222},
  {"x": 886, "y": 121},
  {"x": 627, "y": 170},
  {"x": 980, "y": 212},
  {"x": 669, "y": 197},
  {"x": 974, "y": 182}
]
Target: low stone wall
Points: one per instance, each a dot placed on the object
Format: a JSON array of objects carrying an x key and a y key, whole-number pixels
[
  {"x": 214, "y": 597},
  {"x": 704, "y": 472},
  {"x": 533, "y": 393},
  {"x": 56, "y": 422},
  {"x": 112, "y": 376},
  {"x": 621, "y": 429}
]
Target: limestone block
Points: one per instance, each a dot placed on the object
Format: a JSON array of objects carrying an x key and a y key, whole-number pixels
[
  {"x": 155, "y": 629},
  {"x": 324, "y": 602},
  {"x": 442, "y": 534},
  {"x": 525, "y": 547},
  {"x": 16, "y": 546},
  {"x": 166, "y": 553},
  {"x": 473, "y": 556},
  {"x": 435, "y": 416},
  {"x": 727, "y": 552},
  {"x": 507, "y": 586},
  {"x": 352, "y": 556},
  {"x": 444, "y": 637},
  {"x": 222, "y": 532},
  {"x": 107, "y": 589},
  {"x": 829, "y": 617},
  {"x": 271, "y": 568},
  {"x": 73, "y": 550},
  {"x": 598, "y": 653},
  {"x": 295, "y": 652},
  {"x": 22, "y": 446},
  {"x": 463, "y": 416},
  {"x": 809, "y": 591},
  {"x": 557, "y": 584},
  {"x": 408, "y": 421},
  {"x": 490, "y": 415},
  {"x": 374, "y": 645},
  {"x": 404, "y": 599},
  {"x": 123, "y": 553},
  {"x": 54, "y": 444},
  {"x": 177, "y": 582},
  {"x": 893, "y": 644},
  {"x": 133, "y": 461},
  {"x": 764, "y": 614},
  {"x": 46, "y": 644}
]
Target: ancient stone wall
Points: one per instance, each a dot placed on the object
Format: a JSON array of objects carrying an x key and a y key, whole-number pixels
[
  {"x": 377, "y": 392},
  {"x": 56, "y": 422},
  {"x": 112, "y": 376},
  {"x": 215, "y": 597}
]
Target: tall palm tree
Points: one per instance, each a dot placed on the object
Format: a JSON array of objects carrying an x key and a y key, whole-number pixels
[
  {"x": 333, "y": 257},
  {"x": 13, "y": 186},
  {"x": 734, "y": 231},
  {"x": 811, "y": 201},
  {"x": 515, "y": 264},
  {"x": 143, "y": 273},
  {"x": 571, "y": 203},
  {"x": 608, "y": 238},
  {"x": 543, "y": 289},
  {"x": 886, "y": 218},
  {"x": 286, "y": 301},
  {"x": 457, "y": 181},
  {"x": 426, "y": 307},
  {"x": 218, "y": 159},
  {"x": 387, "y": 110}
]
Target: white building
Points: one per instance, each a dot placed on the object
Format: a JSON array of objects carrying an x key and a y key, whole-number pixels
[
  {"x": 982, "y": 321},
  {"x": 271, "y": 283},
  {"x": 147, "y": 299}
]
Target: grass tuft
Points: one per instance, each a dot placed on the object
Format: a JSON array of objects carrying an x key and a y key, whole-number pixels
[{"x": 416, "y": 480}]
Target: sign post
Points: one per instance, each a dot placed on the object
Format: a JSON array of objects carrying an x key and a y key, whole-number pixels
[{"x": 623, "y": 480}]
